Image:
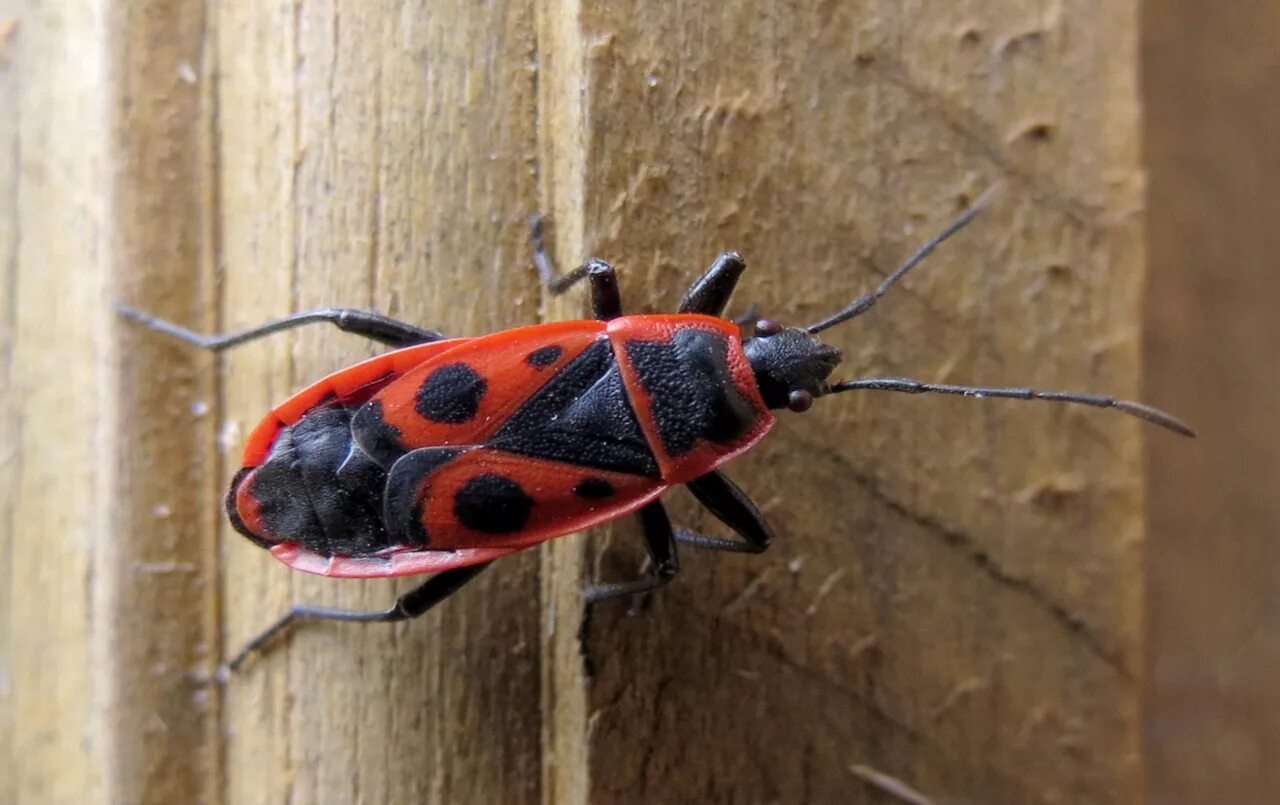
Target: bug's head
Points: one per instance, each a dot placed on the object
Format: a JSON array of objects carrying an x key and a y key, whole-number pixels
[{"x": 791, "y": 365}]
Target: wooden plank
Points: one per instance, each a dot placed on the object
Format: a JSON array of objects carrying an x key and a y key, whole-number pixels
[
  {"x": 1214, "y": 562},
  {"x": 157, "y": 573},
  {"x": 52, "y": 376},
  {"x": 379, "y": 156},
  {"x": 953, "y": 604},
  {"x": 562, "y": 162},
  {"x": 954, "y": 601}
]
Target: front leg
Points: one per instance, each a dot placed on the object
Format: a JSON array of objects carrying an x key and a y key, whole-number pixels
[
  {"x": 710, "y": 293},
  {"x": 606, "y": 300}
]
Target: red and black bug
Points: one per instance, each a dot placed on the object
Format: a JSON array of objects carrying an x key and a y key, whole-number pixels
[{"x": 447, "y": 453}]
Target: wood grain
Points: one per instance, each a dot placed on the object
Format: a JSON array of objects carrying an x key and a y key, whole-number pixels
[
  {"x": 954, "y": 600},
  {"x": 1213, "y": 125},
  {"x": 157, "y": 573},
  {"x": 53, "y": 136},
  {"x": 376, "y": 155},
  {"x": 953, "y": 606}
]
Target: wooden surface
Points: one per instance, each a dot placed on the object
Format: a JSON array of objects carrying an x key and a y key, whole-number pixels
[
  {"x": 954, "y": 599},
  {"x": 380, "y": 156},
  {"x": 53, "y": 136},
  {"x": 1213, "y": 129},
  {"x": 158, "y": 570}
]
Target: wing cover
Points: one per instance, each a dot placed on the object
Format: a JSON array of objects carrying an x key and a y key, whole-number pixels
[
  {"x": 479, "y": 497},
  {"x": 350, "y": 386},
  {"x": 464, "y": 395}
]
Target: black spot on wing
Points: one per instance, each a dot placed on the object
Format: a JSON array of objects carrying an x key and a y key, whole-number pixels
[
  {"x": 494, "y": 504},
  {"x": 594, "y": 489},
  {"x": 691, "y": 392},
  {"x": 543, "y": 357},
  {"x": 581, "y": 416},
  {"x": 451, "y": 394},
  {"x": 402, "y": 507}
]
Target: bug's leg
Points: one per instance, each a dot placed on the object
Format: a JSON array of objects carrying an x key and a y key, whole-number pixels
[
  {"x": 710, "y": 293},
  {"x": 664, "y": 563},
  {"x": 732, "y": 507},
  {"x": 359, "y": 322},
  {"x": 410, "y": 605},
  {"x": 606, "y": 302}
]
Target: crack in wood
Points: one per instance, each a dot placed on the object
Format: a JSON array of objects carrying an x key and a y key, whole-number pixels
[
  {"x": 968, "y": 128},
  {"x": 1075, "y": 626}
]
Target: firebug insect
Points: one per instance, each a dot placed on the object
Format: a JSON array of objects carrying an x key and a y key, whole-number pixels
[{"x": 448, "y": 453}]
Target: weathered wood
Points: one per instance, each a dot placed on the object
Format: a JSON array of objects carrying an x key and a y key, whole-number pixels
[
  {"x": 954, "y": 600},
  {"x": 53, "y": 134},
  {"x": 562, "y": 161},
  {"x": 157, "y": 570},
  {"x": 376, "y": 155},
  {"x": 1212, "y": 135}
]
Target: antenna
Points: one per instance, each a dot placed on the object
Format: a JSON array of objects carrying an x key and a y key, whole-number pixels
[
  {"x": 868, "y": 300},
  {"x": 907, "y": 386}
]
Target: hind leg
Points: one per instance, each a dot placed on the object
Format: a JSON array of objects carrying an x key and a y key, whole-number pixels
[
  {"x": 410, "y": 605},
  {"x": 359, "y": 322}
]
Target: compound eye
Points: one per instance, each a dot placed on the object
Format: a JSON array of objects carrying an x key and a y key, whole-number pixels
[
  {"x": 800, "y": 401},
  {"x": 768, "y": 327}
]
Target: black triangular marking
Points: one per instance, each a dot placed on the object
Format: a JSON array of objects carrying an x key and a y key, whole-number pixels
[{"x": 581, "y": 416}]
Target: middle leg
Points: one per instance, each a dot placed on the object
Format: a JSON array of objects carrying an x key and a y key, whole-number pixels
[
  {"x": 664, "y": 563},
  {"x": 731, "y": 506},
  {"x": 606, "y": 301}
]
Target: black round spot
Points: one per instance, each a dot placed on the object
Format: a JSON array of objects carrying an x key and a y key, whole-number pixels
[
  {"x": 493, "y": 504},
  {"x": 541, "y": 358},
  {"x": 450, "y": 394},
  {"x": 593, "y": 489}
]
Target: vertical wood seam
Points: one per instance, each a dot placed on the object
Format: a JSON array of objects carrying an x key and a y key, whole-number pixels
[
  {"x": 560, "y": 122},
  {"x": 210, "y": 146},
  {"x": 10, "y": 417}
]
